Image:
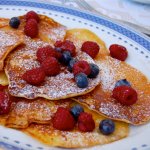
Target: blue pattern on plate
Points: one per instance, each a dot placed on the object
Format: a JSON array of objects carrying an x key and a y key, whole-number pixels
[
  {"x": 98, "y": 19},
  {"x": 6, "y": 146}
]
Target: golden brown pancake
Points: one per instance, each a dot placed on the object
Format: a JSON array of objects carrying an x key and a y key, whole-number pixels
[
  {"x": 112, "y": 70},
  {"x": 75, "y": 138},
  {"x": 24, "y": 112},
  {"x": 9, "y": 40},
  {"x": 40, "y": 111},
  {"x": 49, "y": 30},
  {"x": 54, "y": 88}
]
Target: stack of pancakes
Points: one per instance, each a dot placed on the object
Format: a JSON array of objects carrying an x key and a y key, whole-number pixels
[{"x": 33, "y": 107}]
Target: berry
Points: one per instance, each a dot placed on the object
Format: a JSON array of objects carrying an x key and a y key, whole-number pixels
[
  {"x": 65, "y": 58},
  {"x": 63, "y": 120},
  {"x": 5, "y": 103},
  {"x": 91, "y": 48},
  {"x": 71, "y": 64},
  {"x": 122, "y": 82},
  {"x": 44, "y": 52},
  {"x": 34, "y": 76},
  {"x": 32, "y": 15},
  {"x": 86, "y": 122},
  {"x": 119, "y": 52},
  {"x": 51, "y": 66},
  {"x": 14, "y": 22},
  {"x": 2, "y": 87},
  {"x": 58, "y": 52},
  {"x": 81, "y": 80},
  {"x": 125, "y": 95},
  {"x": 66, "y": 46},
  {"x": 81, "y": 67},
  {"x": 94, "y": 71},
  {"x": 76, "y": 110},
  {"x": 31, "y": 28},
  {"x": 107, "y": 126}
]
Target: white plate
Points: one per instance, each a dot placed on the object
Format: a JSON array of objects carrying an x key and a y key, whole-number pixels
[
  {"x": 142, "y": 1},
  {"x": 137, "y": 44}
]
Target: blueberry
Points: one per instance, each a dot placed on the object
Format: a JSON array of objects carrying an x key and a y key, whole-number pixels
[
  {"x": 76, "y": 110},
  {"x": 14, "y": 22},
  {"x": 107, "y": 126},
  {"x": 81, "y": 80},
  {"x": 94, "y": 71},
  {"x": 71, "y": 63},
  {"x": 122, "y": 82},
  {"x": 65, "y": 58}
]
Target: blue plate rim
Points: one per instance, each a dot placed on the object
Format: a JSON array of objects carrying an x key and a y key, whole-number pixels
[
  {"x": 132, "y": 33},
  {"x": 127, "y": 31}
]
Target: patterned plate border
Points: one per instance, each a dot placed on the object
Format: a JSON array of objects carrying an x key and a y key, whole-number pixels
[{"x": 134, "y": 35}]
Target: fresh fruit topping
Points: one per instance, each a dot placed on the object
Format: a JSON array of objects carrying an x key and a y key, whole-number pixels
[
  {"x": 118, "y": 51},
  {"x": 34, "y": 76},
  {"x": 63, "y": 120},
  {"x": 5, "y": 103},
  {"x": 94, "y": 71},
  {"x": 65, "y": 58},
  {"x": 86, "y": 122},
  {"x": 125, "y": 95},
  {"x": 31, "y": 28},
  {"x": 58, "y": 52},
  {"x": 71, "y": 64},
  {"x": 122, "y": 82},
  {"x": 14, "y": 22},
  {"x": 67, "y": 46},
  {"x": 44, "y": 52},
  {"x": 107, "y": 127},
  {"x": 51, "y": 66},
  {"x": 81, "y": 80},
  {"x": 2, "y": 87},
  {"x": 91, "y": 48},
  {"x": 32, "y": 15},
  {"x": 81, "y": 67},
  {"x": 76, "y": 110}
]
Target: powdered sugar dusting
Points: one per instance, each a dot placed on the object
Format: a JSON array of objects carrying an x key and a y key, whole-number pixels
[
  {"x": 39, "y": 110},
  {"x": 7, "y": 39},
  {"x": 60, "y": 86},
  {"x": 108, "y": 73}
]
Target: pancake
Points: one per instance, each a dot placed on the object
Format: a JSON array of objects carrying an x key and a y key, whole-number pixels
[
  {"x": 55, "y": 87},
  {"x": 40, "y": 111},
  {"x": 3, "y": 78},
  {"x": 49, "y": 30},
  {"x": 9, "y": 40},
  {"x": 25, "y": 113},
  {"x": 76, "y": 139},
  {"x": 112, "y": 70}
]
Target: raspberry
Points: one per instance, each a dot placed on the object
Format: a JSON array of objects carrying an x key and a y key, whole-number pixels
[
  {"x": 5, "y": 103},
  {"x": 45, "y": 52},
  {"x": 125, "y": 95},
  {"x": 51, "y": 66},
  {"x": 32, "y": 15},
  {"x": 119, "y": 52},
  {"x": 86, "y": 122},
  {"x": 91, "y": 48},
  {"x": 66, "y": 46},
  {"x": 31, "y": 28},
  {"x": 63, "y": 120},
  {"x": 3, "y": 87},
  {"x": 81, "y": 67},
  {"x": 34, "y": 76}
]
